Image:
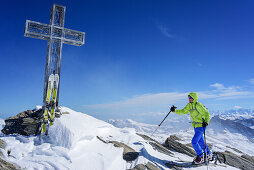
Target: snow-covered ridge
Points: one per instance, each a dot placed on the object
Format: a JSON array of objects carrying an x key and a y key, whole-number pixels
[
  {"x": 239, "y": 114},
  {"x": 73, "y": 144}
]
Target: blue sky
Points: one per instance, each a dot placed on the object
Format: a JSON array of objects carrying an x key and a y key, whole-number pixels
[{"x": 139, "y": 58}]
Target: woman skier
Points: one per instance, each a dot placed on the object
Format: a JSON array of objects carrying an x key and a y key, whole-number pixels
[{"x": 200, "y": 117}]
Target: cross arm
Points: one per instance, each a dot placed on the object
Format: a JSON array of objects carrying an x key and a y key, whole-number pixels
[
  {"x": 37, "y": 30},
  {"x": 46, "y": 32},
  {"x": 73, "y": 37}
]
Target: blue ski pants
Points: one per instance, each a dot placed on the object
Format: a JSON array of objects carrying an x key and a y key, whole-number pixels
[{"x": 198, "y": 142}]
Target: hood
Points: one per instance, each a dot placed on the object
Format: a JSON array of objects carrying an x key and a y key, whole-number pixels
[{"x": 194, "y": 95}]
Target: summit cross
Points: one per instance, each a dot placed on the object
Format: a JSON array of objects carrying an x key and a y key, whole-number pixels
[{"x": 56, "y": 35}]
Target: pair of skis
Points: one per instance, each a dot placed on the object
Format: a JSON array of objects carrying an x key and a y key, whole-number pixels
[{"x": 50, "y": 107}]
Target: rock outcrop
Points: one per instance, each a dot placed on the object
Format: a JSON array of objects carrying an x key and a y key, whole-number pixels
[
  {"x": 156, "y": 145},
  {"x": 25, "y": 123},
  {"x": 244, "y": 162},
  {"x": 148, "y": 166},
  {"x": 172, "y": 144},
  {"x": 4, "y": 165},
  {"x": 129, "y": 154}
]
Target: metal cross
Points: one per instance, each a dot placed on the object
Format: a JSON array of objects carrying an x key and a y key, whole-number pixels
[{"x": 56, "y": 35}]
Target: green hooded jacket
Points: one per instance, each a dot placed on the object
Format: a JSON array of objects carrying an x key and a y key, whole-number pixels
[{"x": 197, "y": 111}]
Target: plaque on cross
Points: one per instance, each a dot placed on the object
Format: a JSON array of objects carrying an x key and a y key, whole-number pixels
[{"x": 56, "y": 35}]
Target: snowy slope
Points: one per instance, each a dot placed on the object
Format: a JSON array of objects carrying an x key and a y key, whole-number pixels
[
  {"x": 73, "y": 144},
  {"x": 225, "y": 130}
]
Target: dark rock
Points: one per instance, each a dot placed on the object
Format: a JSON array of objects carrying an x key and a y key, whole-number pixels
[
  {"x": 248, "y": 157},
  {"x": 139, "y": 167},
  {"x": 147, "y": 138},
  {"x": 2, "y": 146},
  {"x": 236, "y": 150},
  {"x": 156, "y": 145},
  {"x": 232, "y": 159},
  {"x": 148, "y": 166},
  {"x": 4, "y": 165},
  {"x": 151, "y": 166},
  {"x": 160, "y": 148},
  {"x": 101, "y": 139},
  {"x": 174, "y": 137},
  {"x": 129, "y": 154},
  {"x": 25, "y": 123},
  {"x": 172, "y": 144}
]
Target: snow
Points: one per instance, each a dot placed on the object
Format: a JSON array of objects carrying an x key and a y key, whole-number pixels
[
  {"x": 224, "y": 134},
  {"x": 73, "y": 144}
]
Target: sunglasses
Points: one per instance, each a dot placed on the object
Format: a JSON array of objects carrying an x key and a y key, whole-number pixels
[{"x": 190, "y": 97}]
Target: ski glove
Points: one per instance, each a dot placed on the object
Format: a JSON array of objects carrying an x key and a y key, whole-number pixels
[
  {"x": 173, "y": 108},
  {"x": 204, "y": 124}
]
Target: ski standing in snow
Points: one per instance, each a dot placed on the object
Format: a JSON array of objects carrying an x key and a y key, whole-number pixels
[{"x": 56, "y": 35}]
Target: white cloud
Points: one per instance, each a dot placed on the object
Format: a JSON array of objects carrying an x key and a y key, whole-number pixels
[
  {"x": 237, "y": 107},
  {"x": 164, "y": 31},
  {"x": 232, "y": 92},
  {"x": 251, "y": 81},
  {"x": 218, "y": 86},
  {"x": 144, "y": 100},
  {"x": 161, "y": 102}
]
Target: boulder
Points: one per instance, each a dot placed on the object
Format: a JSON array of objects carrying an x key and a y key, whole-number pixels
[
  {"x": 156, "y": 145},
  {"x": 25, "y": 123},
  {"x": 4, "y": 165},
  {"x": 148, "y": 166},
  {"x": 172, "y": 144},
  {"x": 129, "y": 154},
  {"x": 241, "y": 162},
  {"x": 248, "y": 157}
]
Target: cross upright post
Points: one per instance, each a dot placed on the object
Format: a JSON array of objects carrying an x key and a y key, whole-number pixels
[{"x": 56, "y": 35}]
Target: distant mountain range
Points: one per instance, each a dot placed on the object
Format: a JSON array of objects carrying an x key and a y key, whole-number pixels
[
  {"x": 239, "y": 121},
  {"x": 237, "y": 114}
]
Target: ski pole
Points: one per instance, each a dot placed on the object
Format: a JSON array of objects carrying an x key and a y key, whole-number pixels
[
  {"x": 161, "y": 122},
  {"x": 205, "y": 146}
]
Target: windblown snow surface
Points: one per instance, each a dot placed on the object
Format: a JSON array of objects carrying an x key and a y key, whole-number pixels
[{"x": 73, "y": 143}]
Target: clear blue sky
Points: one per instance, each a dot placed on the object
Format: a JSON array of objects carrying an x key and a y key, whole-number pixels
[{"x": 139, "y": 58}]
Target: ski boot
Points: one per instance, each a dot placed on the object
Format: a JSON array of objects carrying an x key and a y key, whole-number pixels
[{"x": 198, "y": 160}]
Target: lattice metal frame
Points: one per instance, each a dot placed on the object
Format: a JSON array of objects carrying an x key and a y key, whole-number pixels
[{"x": 56, "y": 35}]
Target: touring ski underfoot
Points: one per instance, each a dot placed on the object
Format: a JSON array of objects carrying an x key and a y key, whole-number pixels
[
  {"x": 183, "y": 163},
  {"x": 188, "y": 164}
]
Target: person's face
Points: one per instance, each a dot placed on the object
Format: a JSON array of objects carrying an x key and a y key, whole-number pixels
[{"x": 190, "y": 99}]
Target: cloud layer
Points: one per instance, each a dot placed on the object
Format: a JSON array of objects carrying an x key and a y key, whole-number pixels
[
  {"x": 251, "y": 81},
  {"x": 153, "y": 103}
]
